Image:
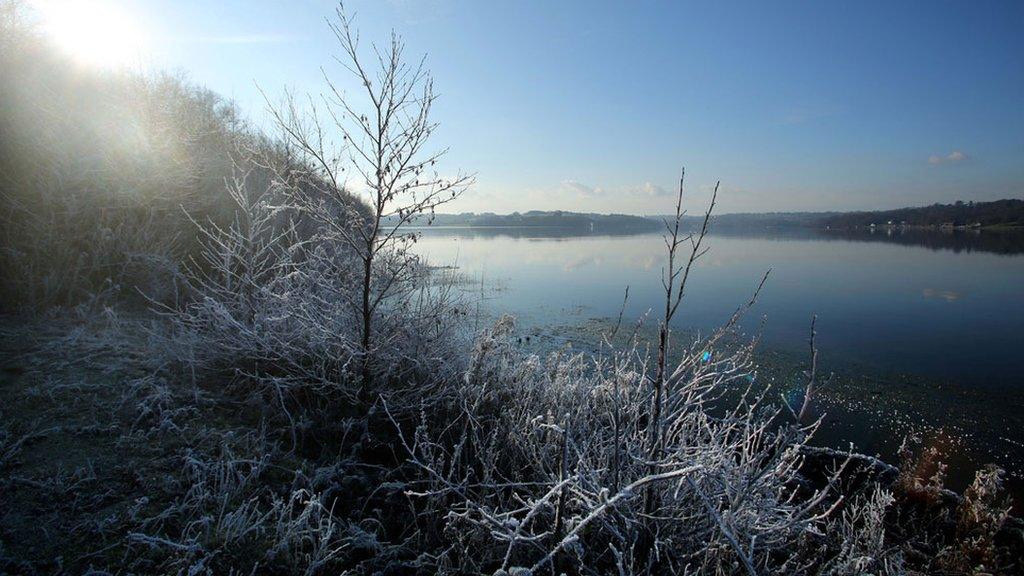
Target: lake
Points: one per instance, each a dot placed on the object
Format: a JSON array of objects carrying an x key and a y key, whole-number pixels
[{"x": 924, "y": 328}]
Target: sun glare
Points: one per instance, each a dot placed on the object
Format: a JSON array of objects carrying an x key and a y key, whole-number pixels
[{"x": 93, "y": 32}]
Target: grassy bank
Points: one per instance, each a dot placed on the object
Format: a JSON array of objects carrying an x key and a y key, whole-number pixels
[{"x": 113, "y": 459}]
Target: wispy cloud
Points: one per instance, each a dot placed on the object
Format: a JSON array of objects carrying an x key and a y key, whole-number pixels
[
  {"x": 644, "y": 190},
  {"x": 580, "y": 189},
  {"x": 953, "y": 157},
  {"x": 653, "y": 190},
  {"x": 269, "y": 38}
]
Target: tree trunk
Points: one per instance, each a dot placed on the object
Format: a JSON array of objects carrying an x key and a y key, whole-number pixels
[
  {"x": 654, "y": 426},
  {"x": 366, "y": 388}
]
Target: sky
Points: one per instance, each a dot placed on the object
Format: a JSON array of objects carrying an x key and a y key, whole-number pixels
[{"x": 595, "y": 106}]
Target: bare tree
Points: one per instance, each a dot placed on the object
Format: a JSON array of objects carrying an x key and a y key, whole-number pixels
[
  {"x": 673, "y": 282},
  {"x": 385, "y": 147},
  {"x": 812, "y": 386}
]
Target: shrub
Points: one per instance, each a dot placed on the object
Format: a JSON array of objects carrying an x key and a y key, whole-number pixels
[{"x": 544, "y": 462}]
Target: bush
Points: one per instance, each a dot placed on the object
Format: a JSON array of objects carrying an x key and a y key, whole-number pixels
[{"x": 544, "y": 463}]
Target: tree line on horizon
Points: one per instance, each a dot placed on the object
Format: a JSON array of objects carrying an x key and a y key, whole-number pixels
[
  {"x": 1007, "y": 213},
  {"x": 1002, "y": 213}
]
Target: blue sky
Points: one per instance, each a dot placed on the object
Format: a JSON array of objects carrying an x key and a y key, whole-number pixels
[{"x": 594, "y": 106}]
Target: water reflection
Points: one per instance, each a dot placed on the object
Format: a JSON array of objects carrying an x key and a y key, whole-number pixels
[
  {"x": 947, "y": 295},
  {"x": 1006, "y": 241},
  {"x": 956, "y": 240},
  {"x": 884, "y": 300}
]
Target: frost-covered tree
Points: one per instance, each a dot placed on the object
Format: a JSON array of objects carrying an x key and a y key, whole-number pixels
[{"x": 384, "y": 131}]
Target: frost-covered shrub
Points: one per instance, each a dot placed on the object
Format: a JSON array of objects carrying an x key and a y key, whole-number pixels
[
  {"x": 228, "y": 519},
  {"x": 261, "y": 302},
  {"x": 858, "y": 536},
  {"x": 273, "y": 303},
  {"x": 979, "y": 517},
  {"x": 546, "y": 461}
]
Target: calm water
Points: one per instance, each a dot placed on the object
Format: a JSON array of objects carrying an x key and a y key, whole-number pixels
[
  {"x": 948, "y": 309},
  {"x": 903, "y": 307}
]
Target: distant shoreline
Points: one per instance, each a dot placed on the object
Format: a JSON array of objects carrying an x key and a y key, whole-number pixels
[
  {"x": 1005, "y": 214},
  {"x": 1006, "y": 241}
]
